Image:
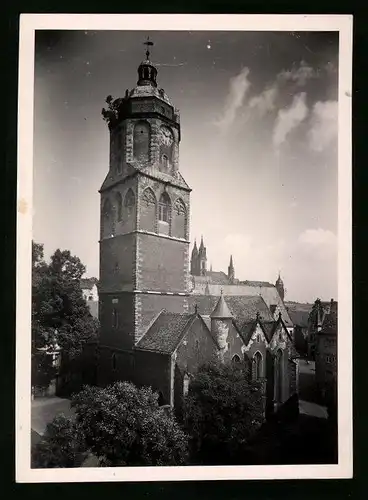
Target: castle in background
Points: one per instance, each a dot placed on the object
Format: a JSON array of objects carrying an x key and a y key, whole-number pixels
[{"x": 159, "y": 321}]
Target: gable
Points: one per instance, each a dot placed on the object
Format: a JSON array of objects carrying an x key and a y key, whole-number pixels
[
  {"x": 256, "y": 336},
  {"x": 280, "y": 338}
]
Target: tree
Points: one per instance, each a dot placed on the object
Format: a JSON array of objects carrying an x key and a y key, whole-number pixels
[
  {"x": 124, "y": 425},
  {"x": 63, "y": 445},
  {"x": 222, "y": 412},
  {"x": 60, "y": 314}
]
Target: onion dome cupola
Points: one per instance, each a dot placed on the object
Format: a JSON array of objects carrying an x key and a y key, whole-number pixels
[{"x": 147, "y": 71}]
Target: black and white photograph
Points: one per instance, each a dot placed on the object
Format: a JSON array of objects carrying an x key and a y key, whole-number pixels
[{"x": 184, "y": 247}]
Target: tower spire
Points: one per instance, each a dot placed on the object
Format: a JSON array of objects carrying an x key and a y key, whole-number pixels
[
  {"x": 147, "y": 72},
  {"x": 280, "y": 287},
  {"x": 231, "y": 270},
  {"x": 148, "y": 44}
]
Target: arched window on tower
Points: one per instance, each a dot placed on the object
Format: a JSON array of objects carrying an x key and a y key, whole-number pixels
[
  {"x": 179, "y": 223},
  {"x": 148, "y": 211},
  {"x": 119, "y": 205},
  {"x": 165, "y": 163},
  {"x": 141, "y": 141},
  {"x": 108, "y": 222},
  {"x": 164, "y": 208},
  {"x": 257, "y": 366},
  {"x": 129, "y": 202}
]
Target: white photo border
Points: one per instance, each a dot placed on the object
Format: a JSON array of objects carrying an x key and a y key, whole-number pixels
[{"x": 29, "y": 23}]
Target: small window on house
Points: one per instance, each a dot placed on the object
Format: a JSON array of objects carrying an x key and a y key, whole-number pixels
[
  {"x": 90, "y": 297},
  {"x": 186, "y": 382},
  {"x": 113, "y": 362},
  {"x": 257, "y": 366},
  {"x": 235, "y": 359},
  {"x": 197, "y": 344}
]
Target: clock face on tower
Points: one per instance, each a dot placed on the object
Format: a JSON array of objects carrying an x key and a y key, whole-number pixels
[{"x": 165, "y": 136}]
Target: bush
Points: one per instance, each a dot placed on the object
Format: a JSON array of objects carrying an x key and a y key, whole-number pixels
[
  {"x": 124, "y": 425},
  {"x": 63, "y": 445}
]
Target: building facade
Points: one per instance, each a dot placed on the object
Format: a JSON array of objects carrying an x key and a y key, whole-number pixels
[{"x": 326, "y": 354}]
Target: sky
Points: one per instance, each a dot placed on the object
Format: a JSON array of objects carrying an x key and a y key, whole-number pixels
[{"x": 258, "y": 144}]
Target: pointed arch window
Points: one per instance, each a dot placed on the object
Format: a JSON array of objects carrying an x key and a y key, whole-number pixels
[
  {"x": 165, "y": 162},
  {"x": 257, "y": 366},
  {"x": 129, "y": 201},
  {"x": 141, "y": 140},
  {"x": 164, "y": 208},
  {"x": 108, "y": 222},
  {"x": 235, "y": 359},
  {"x": 119, "y": 205},
  {"x": 186, "y": 383}
]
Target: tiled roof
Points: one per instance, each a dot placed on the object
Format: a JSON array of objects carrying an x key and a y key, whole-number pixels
[
  {"x": 166, "y": 332},
  {"x": 299, "y": 318},
  {"x": 247, "y": 330},
  {"x": 218, "y": 277},
  {"x": 265, "y": 290},
  {"x": 256, "y": 283},
  {"x": 269, "y": 329},
  {"x": 244, "y": 308}
]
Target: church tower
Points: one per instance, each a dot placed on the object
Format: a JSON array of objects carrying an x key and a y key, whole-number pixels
[
  {"x": 231, "y": 271},
  {"x": 280, "y": 287},
  {"x": 194, "y": 271},
  {"x": 144, "y": 237},
  {"x": 202, "y": 259}
]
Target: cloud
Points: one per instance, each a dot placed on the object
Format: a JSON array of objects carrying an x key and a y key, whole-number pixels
[
  {"x": 238, "y": 87},
  {"x": 317, "y": 237},
  {"x": 323, "y": 125},
  {"x": 266, "y": 101},
  {"x": 299, "y": 75},
  {"x": 308, "y": 263},
  {"x": 289, "y": 118}
]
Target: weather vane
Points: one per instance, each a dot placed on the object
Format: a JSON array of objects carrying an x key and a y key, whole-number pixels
[{"x": 148, "y": 43}]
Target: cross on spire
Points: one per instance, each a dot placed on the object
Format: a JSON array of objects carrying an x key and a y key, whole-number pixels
[{"x": 148, "y": 44}]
